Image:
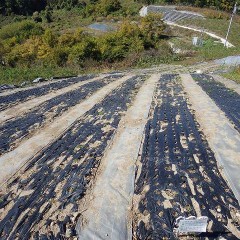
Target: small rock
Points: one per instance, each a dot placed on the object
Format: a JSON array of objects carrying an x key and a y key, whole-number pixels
[
  {"x": 24, "y": 181},
  {"x": 23, "y": 84},
  {"x": 38, "y": 80},
  {"x": 199, "y": 71}
]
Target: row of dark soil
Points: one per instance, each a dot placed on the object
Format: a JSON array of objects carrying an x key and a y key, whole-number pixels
[
  {"x": 9, "y": 100},
  {"x": 225, "y": 98},
  {"x": 42, "y": 201},
  {"x": 13, "y": 131},
  {"x": 179, "y": 175}
]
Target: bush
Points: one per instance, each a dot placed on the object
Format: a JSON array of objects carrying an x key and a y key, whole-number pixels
[
  {"x": 21, "y": 30},
  {"x": 49, "y": 38},
  {"x": 60, "y": 56},
  {"x": 36, "y": 17},
  {"x": 103, "y": 8},
  {"x": 116, "y": 46},
  {"x": 106, "y": 7},
  {"x": 24, "y": 53},
  {"x": 152, "y": 28},
  {"x": 2, "y": 52},
  {"x": 84, "y": 50}
]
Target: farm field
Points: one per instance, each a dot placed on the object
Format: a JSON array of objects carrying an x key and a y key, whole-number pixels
[{"x": 121, "y": 155}]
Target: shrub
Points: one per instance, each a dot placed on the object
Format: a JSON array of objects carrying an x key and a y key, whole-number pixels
[
  {"x": 83, "y": 50},
  {"x": 49, "y": 38},
  {"x": 106, "y": 7},
  {"x": 60, "y": 56},
  {"x": 2, "y": 52},
  {"x": 36, "y": 17},
  {"x": 21, "y": 30},
  {"x": 103, "y": 8},
  {"x": 116, "y": 46},
  {"x": 152, "y": 28},
  {"x": 23, "y": 54}
]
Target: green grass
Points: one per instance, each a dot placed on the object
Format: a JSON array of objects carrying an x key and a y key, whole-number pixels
[
  {"x": 210, "y": 50},
  {"x": 5, "y": 20},
  {"x": 21, "y": 74},
  {"x": 64, "y": 20},
  {"x": 233, "y": 75},
  {"x": 217, "y": 26}
]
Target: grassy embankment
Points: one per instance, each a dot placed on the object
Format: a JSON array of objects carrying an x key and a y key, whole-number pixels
[
  {"x": 233, "y": 75},
  {"x": 216, "y": 22}
]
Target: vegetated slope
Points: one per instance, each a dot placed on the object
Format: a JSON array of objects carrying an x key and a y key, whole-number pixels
[
  {"x": 47, "y": 41},
  {"x": 178, "y": 173},
  {"x": 100, "y": 7}
]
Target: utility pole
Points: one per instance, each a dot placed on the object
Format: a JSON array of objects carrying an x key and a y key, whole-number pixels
[{"x": 234, "y": 12}]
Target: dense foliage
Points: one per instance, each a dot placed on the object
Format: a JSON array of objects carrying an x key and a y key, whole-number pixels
[
  {"x": 99, "y": 7},
  {"x": 26, "y": 43}
]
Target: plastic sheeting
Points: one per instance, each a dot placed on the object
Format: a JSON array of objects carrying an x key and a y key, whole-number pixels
[{"x": 179, "y": 175}]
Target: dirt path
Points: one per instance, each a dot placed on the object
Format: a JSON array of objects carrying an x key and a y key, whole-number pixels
[
  {"x": 223, "y": 139},
  {"x": 26, "y": 106},
  {"x": 106, "y": 214},
  {"x": 12, "y": 161},
  {"x": 213, "y": 35}
]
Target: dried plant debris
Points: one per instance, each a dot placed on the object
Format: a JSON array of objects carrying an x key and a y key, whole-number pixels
[
  {"x": 13, "y": 131},
  {"x": 225, "y": 98},
  {"x": 177, "y": 173},
  {"x": 42, "y": 201}
]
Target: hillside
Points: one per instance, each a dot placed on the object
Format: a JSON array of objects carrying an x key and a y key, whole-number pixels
[
  {"x": 114, "y": 125},
  {"x": 55, "y": 38}
]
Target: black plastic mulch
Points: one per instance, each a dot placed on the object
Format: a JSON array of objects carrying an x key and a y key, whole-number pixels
[
  {"x": 179, "y": 171},
  {"x": 21, "y": 126},
  {"x": 58, "y": 177},
  {"x": 226, "y": 99},
  {"x": 24, "y": 95}
]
